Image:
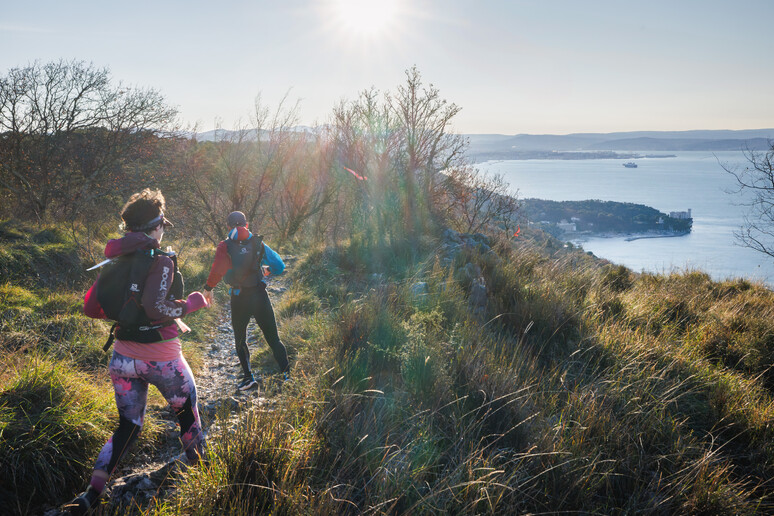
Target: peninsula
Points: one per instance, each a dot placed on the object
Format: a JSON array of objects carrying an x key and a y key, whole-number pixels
[{"x": 595, "y": 217}]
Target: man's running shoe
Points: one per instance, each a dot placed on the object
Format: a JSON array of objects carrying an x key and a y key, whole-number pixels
[{"x": 247, "y": 383}]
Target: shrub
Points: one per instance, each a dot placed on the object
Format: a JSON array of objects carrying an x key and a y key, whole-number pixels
[
  {"x": 53, "y": 420},
  {"x": 298, "y": 302},
  {"x": 617, "y": 278}
]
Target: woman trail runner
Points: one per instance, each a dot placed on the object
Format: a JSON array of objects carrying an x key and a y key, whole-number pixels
[{"x": 147, "y": 353}]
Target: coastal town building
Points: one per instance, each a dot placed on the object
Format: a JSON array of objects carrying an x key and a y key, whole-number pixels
[
  {"x": 680, "y": 214},
  {"x": 565, "y": 226}
]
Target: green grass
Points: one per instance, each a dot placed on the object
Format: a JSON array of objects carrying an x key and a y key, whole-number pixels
[
  {"x": 53, "y": 420},
  {"x": 298, "y": 301},
  {"x": 51, "y": 322},
  {"x": 583, "y": 387}
]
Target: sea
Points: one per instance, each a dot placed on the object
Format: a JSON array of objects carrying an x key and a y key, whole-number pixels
[{"x": 690, "y": 180}]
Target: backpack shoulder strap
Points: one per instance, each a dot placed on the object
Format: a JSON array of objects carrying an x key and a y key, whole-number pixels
[
  {"x": 176, "y": 290},
  {"x": 259, "y": 249}
]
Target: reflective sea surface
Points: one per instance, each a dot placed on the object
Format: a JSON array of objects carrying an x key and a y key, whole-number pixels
[{"x": 694, "y": 180}]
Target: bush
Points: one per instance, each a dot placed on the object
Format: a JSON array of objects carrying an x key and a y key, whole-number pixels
[
  {"x": 617, "y": 278},
  {"x": 298, "y": 302},
  {"x": 53, "y": 421}
]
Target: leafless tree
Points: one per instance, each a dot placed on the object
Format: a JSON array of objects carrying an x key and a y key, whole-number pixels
[
  {"x": 428, "y": 146},
  {"x": 242, "y": 170},
  {"x": 368, "y": 137},
  {"x": 66, "y": 134},
  {"x": 401, "y": 142},
  {"x": 303, "y": 187},
  {"x": 475, "y": 201},
  {"x": 755, "y": 184}
]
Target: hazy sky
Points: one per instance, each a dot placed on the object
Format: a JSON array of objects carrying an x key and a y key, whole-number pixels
[{"x": 518, "y": 66}]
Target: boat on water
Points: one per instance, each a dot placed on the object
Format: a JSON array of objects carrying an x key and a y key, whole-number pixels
[{"x": 630, "y": 164}]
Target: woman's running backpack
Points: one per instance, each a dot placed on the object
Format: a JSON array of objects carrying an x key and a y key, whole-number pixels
[{"x": 119, "y": 292}]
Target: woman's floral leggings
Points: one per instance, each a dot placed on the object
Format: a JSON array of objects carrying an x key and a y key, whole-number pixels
[{"x": 131, "y": 378}]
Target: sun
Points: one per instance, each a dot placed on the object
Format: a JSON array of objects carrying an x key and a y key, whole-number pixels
[{"x": 365, "y": 17}]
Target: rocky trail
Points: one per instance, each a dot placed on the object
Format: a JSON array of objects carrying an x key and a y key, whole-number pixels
[{"x": 148, "y": 474}]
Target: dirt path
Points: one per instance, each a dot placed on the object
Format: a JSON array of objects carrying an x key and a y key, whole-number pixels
[{"x": 148, "y": 473}]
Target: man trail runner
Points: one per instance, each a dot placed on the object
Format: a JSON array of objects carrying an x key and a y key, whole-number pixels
[{"x": 239, "y": 260}]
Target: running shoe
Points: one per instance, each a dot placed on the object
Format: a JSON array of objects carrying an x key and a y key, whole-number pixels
[
  {"x": 83, "y": 503},
  {"x": 247, "y": 383}
]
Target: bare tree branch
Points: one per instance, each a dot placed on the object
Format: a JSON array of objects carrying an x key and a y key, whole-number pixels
[
  {"x": 68, "y": 134},
  {"x": 755, "y": 187}
]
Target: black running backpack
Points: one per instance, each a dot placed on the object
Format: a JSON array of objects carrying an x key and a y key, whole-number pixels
[
  {"x": 246, "y": 257},
  {"x": 119, "y": 292}
]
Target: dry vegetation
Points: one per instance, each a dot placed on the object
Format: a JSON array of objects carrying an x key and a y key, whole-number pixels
[{"x": 581, "y": 387}]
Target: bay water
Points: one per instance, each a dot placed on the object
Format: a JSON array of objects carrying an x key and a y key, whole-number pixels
[{"x": 694, "y": 180}]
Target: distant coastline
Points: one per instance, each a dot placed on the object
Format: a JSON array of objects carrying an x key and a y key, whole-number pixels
[
  {"x": 562, "y": 155},
  {"x": 666, "y": 234},
  {"x": 628, "y": 237},
  {"x": 620, "y": 145}
]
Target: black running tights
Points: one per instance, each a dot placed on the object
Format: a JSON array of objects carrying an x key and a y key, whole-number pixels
[{"x": 254, "y": 302}]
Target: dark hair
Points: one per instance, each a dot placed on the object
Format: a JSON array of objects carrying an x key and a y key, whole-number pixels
[{"x": 142, "y": 208}]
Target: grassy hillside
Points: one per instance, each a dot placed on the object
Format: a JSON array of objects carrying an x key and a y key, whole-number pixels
[
  {"x": 573, "y": 386},
  {"x": 582, "y": 388},
  {"x": 56, "y": 400}
]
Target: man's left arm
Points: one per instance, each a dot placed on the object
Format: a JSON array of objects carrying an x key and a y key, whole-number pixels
[{"x": 273, "y": 260}]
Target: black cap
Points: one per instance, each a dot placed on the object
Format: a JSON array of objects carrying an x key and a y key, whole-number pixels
[{"x": 236, "y": 218}]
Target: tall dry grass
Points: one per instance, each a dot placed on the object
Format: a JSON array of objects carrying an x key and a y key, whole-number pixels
[{"x": 585, "y": 388}]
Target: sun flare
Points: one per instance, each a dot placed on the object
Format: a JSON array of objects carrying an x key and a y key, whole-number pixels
[{"x": 365, "y": 17}]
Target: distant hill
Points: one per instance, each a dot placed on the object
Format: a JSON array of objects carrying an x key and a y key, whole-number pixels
[
  {"x": 224, "y": 134},
  {"x": 248, "y": 134},
  {"x": 682, "y": 144},
  {"x": 521, "y": 146},
  {"x": 525, "y": 146}
]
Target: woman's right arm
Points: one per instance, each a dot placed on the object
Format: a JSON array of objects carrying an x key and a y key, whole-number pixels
[{"x": 156, "y": 292}]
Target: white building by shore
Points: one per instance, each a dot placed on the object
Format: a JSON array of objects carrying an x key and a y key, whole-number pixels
[
  {"x": 567, "y": 227},
  {"x": 680, "y": 214}
]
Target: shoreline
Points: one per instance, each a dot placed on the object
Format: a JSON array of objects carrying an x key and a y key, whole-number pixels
[
  {"x": 670, "y": 235},
  {"x": 628, "y": 237}
]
